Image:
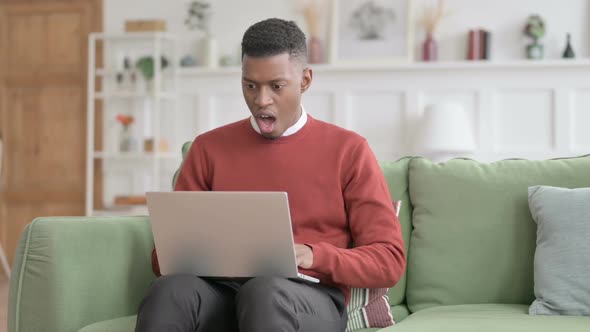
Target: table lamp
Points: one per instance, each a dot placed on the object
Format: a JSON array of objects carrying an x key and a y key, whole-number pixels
[{"x": 445, "y": 132}]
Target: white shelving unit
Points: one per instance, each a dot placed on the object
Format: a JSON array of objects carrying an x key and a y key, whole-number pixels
[{"x": 154, "y": 107}]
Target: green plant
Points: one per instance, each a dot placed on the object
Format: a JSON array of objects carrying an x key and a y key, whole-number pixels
[
  {"x": 146, "y": 66},
  {"x": 535, "y": 27},
  {"x": 199, "y": 15}
]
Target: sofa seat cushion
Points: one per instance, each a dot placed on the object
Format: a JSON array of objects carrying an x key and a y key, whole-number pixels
[
  {"x": 127, "y": 324},
  {"x": 487, "y": 318},
  {"x": 123, "y": 324}
]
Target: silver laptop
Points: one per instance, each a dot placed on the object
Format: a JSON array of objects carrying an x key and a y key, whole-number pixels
[{"x": 224, "y": 234}]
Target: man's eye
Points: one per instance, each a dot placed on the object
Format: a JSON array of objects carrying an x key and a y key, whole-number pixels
[
  {"x": 250, "y": 86},
  {"x": 277, "y": 86}
]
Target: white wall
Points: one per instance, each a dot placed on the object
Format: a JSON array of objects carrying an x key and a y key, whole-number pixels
[
  {"x": 504, "y": 17},
  {"x": 514, "y": 111},
  {"x": 529, "y": 110}
]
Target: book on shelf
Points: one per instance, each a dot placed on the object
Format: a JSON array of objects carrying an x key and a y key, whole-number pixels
[{"x": 479, "y": 44}]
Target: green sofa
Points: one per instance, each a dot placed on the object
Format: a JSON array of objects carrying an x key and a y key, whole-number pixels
[{"x": 468, "y": 231}]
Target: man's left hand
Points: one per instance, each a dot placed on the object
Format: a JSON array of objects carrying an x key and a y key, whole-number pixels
[{"x": 304, "y": 256}]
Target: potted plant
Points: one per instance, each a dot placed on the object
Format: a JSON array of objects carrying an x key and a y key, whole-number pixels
[
  {"x": 146, "y": 66},
  {"x": 535, "y": 28},
  {"x": 199, "y": 18},
  {"x": 199, "y": 15}
]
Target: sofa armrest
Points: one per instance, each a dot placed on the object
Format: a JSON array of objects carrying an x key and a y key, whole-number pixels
[{"x": 73, "y": 271}]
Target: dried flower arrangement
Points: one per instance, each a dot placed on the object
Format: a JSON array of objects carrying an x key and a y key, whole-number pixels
[
  {"x": 311, "y": 13},
  {"x": 432, "y": 17},
  {"x": 125, "y": 120}
]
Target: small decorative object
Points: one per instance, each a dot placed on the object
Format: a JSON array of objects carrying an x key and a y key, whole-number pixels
[
  {"x": 312, "y": 13},
  {"x": 120, "y": 80},
  {"x": 164, "y": 145},
  {"x": 429, "y": 48},
  {"x": 127, "y": 79},
  {"x": 315, "y": 50},
  {"x": 569, "y": 53},
  {"x": 188, "y": 61},
  {"x": 535, "y": 28},
  {"x": 199, "y": 18},
  {"x": 479, "y": 44},
  {"x": 199, "y": 15},
  {"x": 146, "y": 66},
  {"x": 209, "y": 45},
  {"x": 148, "y": 144},
  {"x": 430, "y": 20},
  {"x": 369, "y": 20},
  {"x": 228, "y": 60},
  {"x": 370, "y": 31},
  {"x": 145, "y": 26},
  {"x": 126, "y": 141}
]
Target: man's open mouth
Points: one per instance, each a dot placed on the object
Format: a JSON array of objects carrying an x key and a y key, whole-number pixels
[{"x": 266, "y": 123}]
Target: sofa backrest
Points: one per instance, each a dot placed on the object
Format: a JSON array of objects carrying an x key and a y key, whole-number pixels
[
  {"x": 69, "y": 272},
  {"x": 396, "y": 175},
  {"x": 473, "y": 238},
  {"x": 185, "y": 147}
]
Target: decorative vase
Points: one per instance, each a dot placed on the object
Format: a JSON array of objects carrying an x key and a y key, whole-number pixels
[
  {"x": 209, "y": 49},
  {"x": 569, "y": 53},
  {"x": 188, "y": 61},
  {"x": 429, "y": 49},
  {"x": 150, "y": 86},
  {"x": 315, "y": 53},
  {"x": 126, "y": 140},
  {"x": 534, "y": 50}
]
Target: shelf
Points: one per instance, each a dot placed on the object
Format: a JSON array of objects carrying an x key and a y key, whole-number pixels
[
  {"x": 459, "y": 65},
  {"x": 101, "y": 72},
  {"x": 410, "y": 66},
  {"x": 188, "y": 71},
  {"x": 134, "y": 36},
  {"x": 135, "y": 95},
  {"x": 153, "y": 101},
  {"x": 122, "y": 210},
  {"x": 135, "y": 155}
]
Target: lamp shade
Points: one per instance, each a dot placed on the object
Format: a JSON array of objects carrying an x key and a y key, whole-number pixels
[{"x": 445, "y": 129}]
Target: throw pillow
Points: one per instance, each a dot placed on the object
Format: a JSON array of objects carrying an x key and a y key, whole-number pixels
[
  {"x": 562, "y": 255},
  {"x": 369, "y": 307}
]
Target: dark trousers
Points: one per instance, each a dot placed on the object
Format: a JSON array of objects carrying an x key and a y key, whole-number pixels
[{"x": 184, "y": 303}]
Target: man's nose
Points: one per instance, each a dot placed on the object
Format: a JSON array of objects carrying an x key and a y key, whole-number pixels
[{"x": 263, "y": 98}]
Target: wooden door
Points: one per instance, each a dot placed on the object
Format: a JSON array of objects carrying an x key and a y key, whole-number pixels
[{"x": 43, "y": 79}]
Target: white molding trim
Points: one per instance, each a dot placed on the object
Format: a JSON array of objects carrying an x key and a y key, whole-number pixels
[{"x": 482, "y": 87}]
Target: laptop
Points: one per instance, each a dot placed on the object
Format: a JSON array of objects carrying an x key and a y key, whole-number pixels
[{"x": 224, "y": 234}]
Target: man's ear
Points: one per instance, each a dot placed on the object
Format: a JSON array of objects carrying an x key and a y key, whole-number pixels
[{"x": 306, "y": 79}]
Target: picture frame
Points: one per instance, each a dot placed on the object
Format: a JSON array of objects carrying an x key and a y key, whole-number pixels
[{"x": 371, "y": 32}]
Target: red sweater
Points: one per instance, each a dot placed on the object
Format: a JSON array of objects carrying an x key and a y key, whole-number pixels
[{"x": 337, "y": 195}]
